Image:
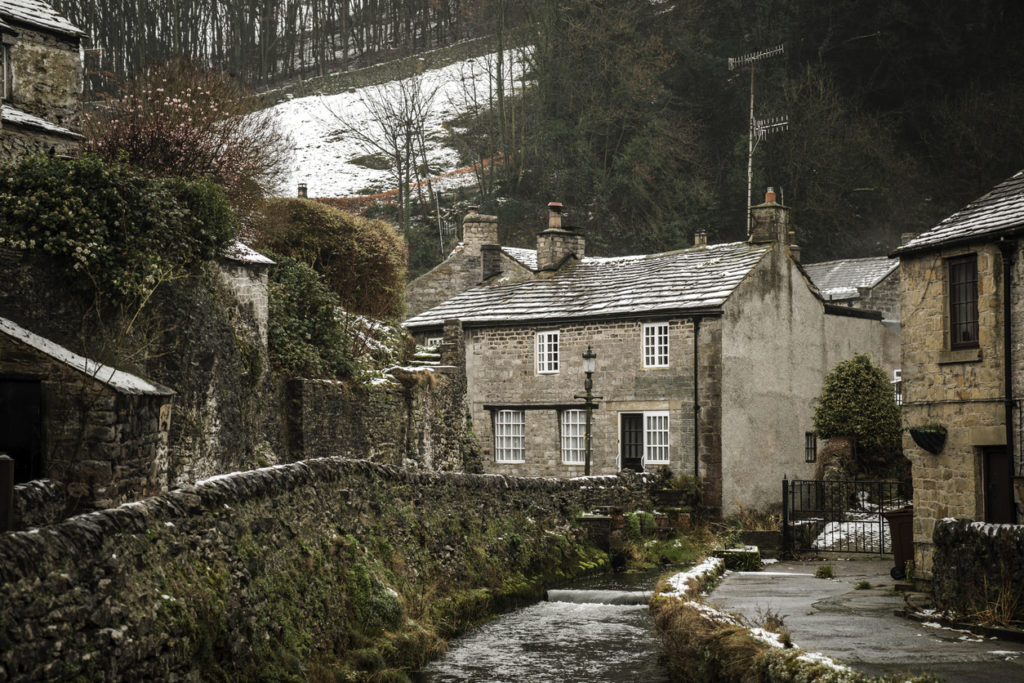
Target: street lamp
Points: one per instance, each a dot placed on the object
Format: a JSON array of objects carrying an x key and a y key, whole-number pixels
[{"x": 589, "y": 365}]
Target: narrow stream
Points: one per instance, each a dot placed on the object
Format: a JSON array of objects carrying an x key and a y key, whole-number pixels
[{"x": 571, "y": 639}]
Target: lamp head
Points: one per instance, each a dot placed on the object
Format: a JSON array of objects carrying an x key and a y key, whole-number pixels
[{"x": 589, "y": 360}]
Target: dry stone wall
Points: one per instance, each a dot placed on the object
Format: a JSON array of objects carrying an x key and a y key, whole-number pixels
[
  {"x": 977, "y": 566},
  {"x": 269, "y": 572},
  {"x": 47, "y": 77}
]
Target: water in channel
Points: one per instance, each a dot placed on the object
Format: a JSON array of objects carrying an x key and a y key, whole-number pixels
[{"x": 558, "y": 641}]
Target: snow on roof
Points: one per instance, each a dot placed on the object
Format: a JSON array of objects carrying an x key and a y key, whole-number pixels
[
  {"x": 123, "y": 382},
  {"x": 691, "y": 280},
  {"x": 840, "y": 279},
  {"x": 527, "y": 257},
  {"x": 245, "y": 254},
  {"x": 322, "y": 158},
  {"x": 20, "y": 118},
  {"x": 999, "y": 211},
  {"x": 37, "y": 14}
]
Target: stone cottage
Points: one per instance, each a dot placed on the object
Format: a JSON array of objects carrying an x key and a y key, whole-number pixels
[
  {"x": 872, "y": 283},
  {"x": 709, "y": 359},
  {"x": 99, "y": 431},
  {"x": 962, "y": 300},
  {"x": 41, "y": 77}
]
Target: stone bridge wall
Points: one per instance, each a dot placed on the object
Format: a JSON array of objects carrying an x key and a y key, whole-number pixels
[{"x": 272, "y": 571}]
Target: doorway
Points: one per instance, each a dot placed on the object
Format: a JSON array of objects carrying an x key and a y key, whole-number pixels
[
  {"x": 997, "y": 488},
  {"x": 21, "y": 427},
  {"x": 631, "y": 442}
]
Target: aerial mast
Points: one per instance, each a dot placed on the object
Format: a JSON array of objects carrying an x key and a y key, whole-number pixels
[{"x": 758, "y": 128}]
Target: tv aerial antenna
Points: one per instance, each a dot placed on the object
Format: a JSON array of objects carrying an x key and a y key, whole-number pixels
[{"x": 759, "y": 129}]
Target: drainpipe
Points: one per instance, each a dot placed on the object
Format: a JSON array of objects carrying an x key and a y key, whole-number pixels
[
  {"x": 1007, "y": 248},
  {"x": 696, "y": 405}
]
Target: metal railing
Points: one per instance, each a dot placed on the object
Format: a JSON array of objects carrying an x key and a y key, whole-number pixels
[{"x": 840, "y": 516}]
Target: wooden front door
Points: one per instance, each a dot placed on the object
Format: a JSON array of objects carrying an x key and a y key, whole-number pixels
[
  {"x": 995, "y": 472},
  {"x": 21, "y": 427},
  {"x": 632, "y": 441}
]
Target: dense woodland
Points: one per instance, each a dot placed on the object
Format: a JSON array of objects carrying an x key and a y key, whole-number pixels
[{"x": 899, "y": 111}]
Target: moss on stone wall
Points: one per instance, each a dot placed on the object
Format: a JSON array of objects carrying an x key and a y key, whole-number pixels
[{"x": 326, "y": 569}]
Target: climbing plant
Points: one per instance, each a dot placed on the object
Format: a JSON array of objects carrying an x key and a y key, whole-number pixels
[{"x": 109, "y": 229}]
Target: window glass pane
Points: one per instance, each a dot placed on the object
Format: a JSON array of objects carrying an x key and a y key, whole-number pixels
[
  {"x": 656, "y": 345},
  {"x": 547, "y": 351},
  {"x": 574, "y": 433},
  {"x": 509, "y": 430},
  {"x": 656, "y": 437},
  {"x": 963, "y": 301}
]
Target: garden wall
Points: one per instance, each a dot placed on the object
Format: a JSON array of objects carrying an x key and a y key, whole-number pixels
[
  {"x": 323, "y": 569},
  {"x": 978, "y": 567}
]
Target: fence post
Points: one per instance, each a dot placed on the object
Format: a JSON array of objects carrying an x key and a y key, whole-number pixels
[
  {"x": 6, "y": 492},
  {"x": 785, "y": 515}
]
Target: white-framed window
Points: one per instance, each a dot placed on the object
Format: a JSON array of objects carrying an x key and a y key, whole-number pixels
[
  {"x": 897, "y": 385},
  {"x": 656, "y": 437},
  {"x": 433, "y": 342},
  {"x": 574, "y": 436},
  {"x": 656, "y": 345},
  {"x": 509, "y": 436},
  {"x": 547, "y": 351}
]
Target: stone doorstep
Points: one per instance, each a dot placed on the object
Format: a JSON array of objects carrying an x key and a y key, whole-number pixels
[{"x": 1014, "y": 635}]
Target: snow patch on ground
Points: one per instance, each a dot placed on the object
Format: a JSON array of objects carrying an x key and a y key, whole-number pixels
[
  {"x": 681, "y": 582},
  {"x": 322, "y": 159}
]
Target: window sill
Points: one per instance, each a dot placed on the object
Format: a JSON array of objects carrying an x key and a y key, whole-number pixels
[
  {"x": 656, "y": 367},
  {"x": 509, "y": 462},
  {"x": 959, "y": 356}
]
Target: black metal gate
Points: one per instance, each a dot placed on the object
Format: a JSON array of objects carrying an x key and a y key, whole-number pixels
[{"x": 840, "y": 516}]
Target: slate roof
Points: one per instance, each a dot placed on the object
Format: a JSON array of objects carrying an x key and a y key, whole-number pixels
[
  {"x": 998, "y": 212},
  {"x": 124, "y": 382},
  {"x": 20, "y": 118},
  {"x": 4, "y": 26},
  {"x": 840, "y": 279},
  {"x": 39, "y": 15},
  {"x": 527, "y": 257},
  {"x": 693, "y": 280}
]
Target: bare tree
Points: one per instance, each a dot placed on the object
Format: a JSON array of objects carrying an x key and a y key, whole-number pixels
[{"x": 395, "y": 123}]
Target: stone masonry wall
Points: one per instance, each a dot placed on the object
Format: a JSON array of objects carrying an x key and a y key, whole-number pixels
[
  {"x": 106, "y": 447},
  {"x": 246, "y": 288},
  {"x": 977, "y": 565},
  {"x": 884, "y": 297},
  {"x": 958, "y": 389},
  {"x": 417, "y": 420},
  {"x": 17, "y": 143},
  {"x": 47, "y": 77},
  {"x": 502, "y": 362},
  {"x": 263, "y": 573},
  {"x": 39, "y": 503}
]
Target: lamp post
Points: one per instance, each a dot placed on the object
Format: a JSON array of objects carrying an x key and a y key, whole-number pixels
[{"x": 589, "y": 365}]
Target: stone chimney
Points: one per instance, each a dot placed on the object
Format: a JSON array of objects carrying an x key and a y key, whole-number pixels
[
  {"x": 490, "y": 260},
  {"x": 556, "y": 243},
  {"x": 794, "y": 248},
  {"x": 477, "y": 230},
  {"x": 302, "y": 191},
  {"x": 700, "y": 239},
  {"x": 769, "y": 221}
]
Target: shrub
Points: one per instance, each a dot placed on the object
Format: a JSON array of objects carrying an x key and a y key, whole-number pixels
[
  {"x": 362, "y": 260},
  {"x": 110, "y": 229},
  {"x": 857, "y": 401},
  {"x": 304, "y": 335},
  {"x": 186, "y": 121},
  {"x": 824, "y": 572}
]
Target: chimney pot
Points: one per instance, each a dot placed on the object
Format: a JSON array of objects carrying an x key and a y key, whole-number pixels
[
  {"x": 769, "y": 196},
  {"x": 302, "y": 191},
  {"x": 554, "y": 214},
  {"x": 474, "y": 210}
]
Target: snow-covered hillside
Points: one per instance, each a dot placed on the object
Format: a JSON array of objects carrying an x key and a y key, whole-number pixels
[{"x": 322, "y": 160}]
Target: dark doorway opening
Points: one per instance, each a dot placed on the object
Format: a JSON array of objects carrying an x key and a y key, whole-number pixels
[
  {"x": 995, "y": 463},
  {"x": 21, "y": 427},
  {"x": 632, "y": 441}
]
